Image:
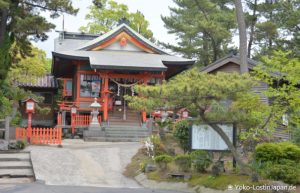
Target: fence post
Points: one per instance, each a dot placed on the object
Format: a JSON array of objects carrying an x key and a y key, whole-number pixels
[{"x": 7, "y": 119}]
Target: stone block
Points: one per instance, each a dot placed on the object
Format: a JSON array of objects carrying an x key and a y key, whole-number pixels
[
  {"x": 3, "y": 145},
  {"x": 150, "y": 168}
]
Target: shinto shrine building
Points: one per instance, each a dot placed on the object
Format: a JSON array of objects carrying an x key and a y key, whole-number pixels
[{"x": 107, "y": 67}]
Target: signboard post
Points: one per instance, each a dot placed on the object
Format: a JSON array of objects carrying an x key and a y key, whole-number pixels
[
  {"x": 203, "y": 137},
  {"x": 30, "y": 107}
]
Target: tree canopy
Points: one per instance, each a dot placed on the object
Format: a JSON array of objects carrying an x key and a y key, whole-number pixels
[
  {"x": 23, "y": 70},
  {"x": 215, "y": 98},
  {"x": 203, "y": 28},
  {"x": 21, "y": 22},
  {"x": 106, "y": 14}
]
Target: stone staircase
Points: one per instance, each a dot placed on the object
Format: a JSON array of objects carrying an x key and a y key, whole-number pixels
[
  {"x": 15, "y": 167},
  {"x": 128, "y": 130}
]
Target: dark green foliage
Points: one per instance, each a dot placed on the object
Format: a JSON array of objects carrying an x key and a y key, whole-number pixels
[
  {"x": 163, "y": 160},
  {"x": 5, "y": 58},
  {"x": 217, "y": 168},
  {"x": 287, "y": 173},
  {"x": 279, "y": 161},
  {"x": 183, "y": 162},
  {"x": 202, "y": 27},
  {"x": 201, "y": 160},
  {"x": 275, "y": 152},
  {"x": 181, "y": 133},
  {"x": 268, "y": 152},
  {"x": 21, "y": 144},
  {"x": 21, "y": 22}
]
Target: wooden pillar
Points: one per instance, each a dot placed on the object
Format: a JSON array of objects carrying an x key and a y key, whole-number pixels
[
  {"x": 144, "y": 114},
  {"x": 105, "y": 98}
]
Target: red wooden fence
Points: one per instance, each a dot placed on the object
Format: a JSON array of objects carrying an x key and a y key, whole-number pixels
[
  {"x": 40, "y": 135},
  {"x": 84, "y": 120},
  {"x": 79, "y": 120}
]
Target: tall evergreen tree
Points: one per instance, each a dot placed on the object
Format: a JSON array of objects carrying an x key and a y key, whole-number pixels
[
  {"x": 273, "y": 25},
  {"x": 20, "y": 22},
  {"x": 203, "y": 28}
]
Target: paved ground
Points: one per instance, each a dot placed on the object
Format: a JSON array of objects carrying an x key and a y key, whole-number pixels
[
  {"x": 79, "y": 163},
  {"x": 40, "y": 188}
]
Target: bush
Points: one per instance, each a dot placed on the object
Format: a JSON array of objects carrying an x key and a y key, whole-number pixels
[
  {"x": 181, "y": 133},
  {"x": 21, "y": 144},
  {"x": 290, "y": 151},
  {"x": 163, "y": 160},
  {"x": 268, "y": 152},
  {"x": 183, "y": 162},
  {"x": 275, "y": 152},
  {"x": 201, "y": 160},
  {"x": 287, "y": 173}
]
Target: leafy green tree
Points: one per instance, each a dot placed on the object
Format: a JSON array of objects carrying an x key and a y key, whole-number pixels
[
  {"x": 203, "y": 28},
  {"x": 28, "y": 69},
  {"x": 106, "y": 14},
  {"x": 220, "y": 97},
  {"x": 23, "y": 70},
  {"x": 20, "y": 22},
  {"x": 282, "y": 71}
]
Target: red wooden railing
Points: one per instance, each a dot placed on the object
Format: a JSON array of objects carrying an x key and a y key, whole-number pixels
[
  {"x": 79, "y": 120},
  {"x": 40, "y": 135},
  {"x": 84, "y": 120}
]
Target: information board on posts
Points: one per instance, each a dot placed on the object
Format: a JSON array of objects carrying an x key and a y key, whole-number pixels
[{"x": 205, "y": 138}]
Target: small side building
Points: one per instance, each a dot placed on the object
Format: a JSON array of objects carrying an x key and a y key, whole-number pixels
[
  {"x": 231, "y": 64},
  {"x": 46, "y": 87}
]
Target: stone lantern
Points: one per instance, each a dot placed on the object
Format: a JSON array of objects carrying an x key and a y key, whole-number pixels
[{"x": 95, "y": 125}]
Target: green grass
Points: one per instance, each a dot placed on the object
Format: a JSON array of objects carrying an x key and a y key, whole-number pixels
[{"x": 220, "y": 182}]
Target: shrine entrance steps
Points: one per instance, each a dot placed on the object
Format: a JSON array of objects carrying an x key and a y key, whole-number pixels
[
  {"x": 15, "y": 167},
  {"x": 120, "y": 130}
]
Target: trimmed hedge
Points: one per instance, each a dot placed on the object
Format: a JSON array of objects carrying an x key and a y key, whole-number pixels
[{"x": 274, "y": 152}]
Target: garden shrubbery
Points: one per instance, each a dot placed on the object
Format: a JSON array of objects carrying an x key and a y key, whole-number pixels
[
  {"x": 163, "y": 160},
  {"x": 181, "y": 133},
  {"x": 279, "y": 161},
  {"x": 201, "y": 160},
  {"x": 184, "y": 162}
]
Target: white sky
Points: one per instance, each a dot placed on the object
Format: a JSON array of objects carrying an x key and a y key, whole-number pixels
[{"x": 152, "y": 10}]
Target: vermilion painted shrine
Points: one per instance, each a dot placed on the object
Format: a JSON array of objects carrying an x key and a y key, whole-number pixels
[{"x": 107, "y": 67}]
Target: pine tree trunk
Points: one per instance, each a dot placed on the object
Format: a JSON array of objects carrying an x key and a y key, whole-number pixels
[
  {"x": 253, "y": 22},
  {"x": 3, "y": 21},
  {"x": 242, "y": 36}
]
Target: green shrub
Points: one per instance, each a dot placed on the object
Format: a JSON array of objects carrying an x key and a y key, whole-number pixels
[
  {"x": 163, "y": 160},
  {"x": 275, "y": 152},
  {"x": 21, "y": 144},
  {"x": 183, "y": 162},
  {"x": 181, "y": 133},
  {"x": 287, "y": 173},
  {"x": 290, "y": 151},
  {"x": 201, "y": 160},
  {"x": 268, "y": 152}
]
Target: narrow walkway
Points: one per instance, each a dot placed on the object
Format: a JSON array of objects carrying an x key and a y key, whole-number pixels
[{"x": 79, "y": 163}]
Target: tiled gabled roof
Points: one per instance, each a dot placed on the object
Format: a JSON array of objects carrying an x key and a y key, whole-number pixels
[{"x": 225, "y": 60}]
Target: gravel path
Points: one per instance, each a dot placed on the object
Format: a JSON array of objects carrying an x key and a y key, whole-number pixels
[{"x": 79, "y": 163}]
